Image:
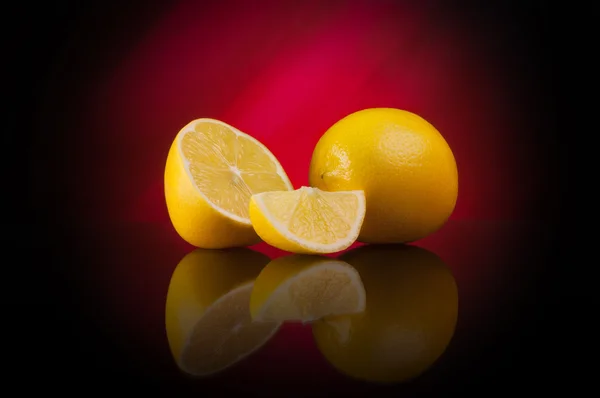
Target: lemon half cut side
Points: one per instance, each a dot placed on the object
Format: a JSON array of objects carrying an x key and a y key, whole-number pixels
[{"x": 211, "y": 172}]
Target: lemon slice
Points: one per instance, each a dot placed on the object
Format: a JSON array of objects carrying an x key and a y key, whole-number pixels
[
  {"x": 308, "y": 220},
  {"x": 207, "y": 316},
  {"x": 305, "y": 288},
  {"x": 212, "y": 169}
]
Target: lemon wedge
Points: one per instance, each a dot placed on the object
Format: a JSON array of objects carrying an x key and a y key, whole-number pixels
[{"x": 308, "y": 220}]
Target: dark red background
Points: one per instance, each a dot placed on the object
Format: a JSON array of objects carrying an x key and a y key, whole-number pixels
[
  {"x": 284, "y": 72},
  {"x": 102, "y": 89}
]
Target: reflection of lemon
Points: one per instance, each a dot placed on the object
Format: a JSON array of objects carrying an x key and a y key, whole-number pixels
[
  {"x": 410, "y": 317},
  {"x": 212, "y": 170},
  {"x": 403, "y": 164},
  {"x": 207, "y": 310},
  {"x": 304, "y": 288},
  {"x": 308, "y": 220}
]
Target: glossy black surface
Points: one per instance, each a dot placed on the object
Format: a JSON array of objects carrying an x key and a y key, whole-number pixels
[{"x": 110, "y": 317}]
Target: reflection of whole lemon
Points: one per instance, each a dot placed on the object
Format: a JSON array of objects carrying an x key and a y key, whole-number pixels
[
  {"x": 403, "y": 164},
  {"x": 410, "y": 316},
  {"x": 207, "y": 315}
]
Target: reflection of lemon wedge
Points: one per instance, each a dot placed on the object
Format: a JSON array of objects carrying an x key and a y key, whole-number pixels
[
  {"x": 410, "y": 317},
  {"x": 305, "y": 288},
  {"x": 308, "y": 220},
  {"x": 212, "y": 170},
  {"x": 208, "y": 321}
]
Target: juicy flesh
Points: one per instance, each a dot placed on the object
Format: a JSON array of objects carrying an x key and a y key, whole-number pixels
[
  {"x": 229, "y": 167},
  {"x": 225, "y": 335},
  {"x": 316, "y": 293},
  {"x": 316, "y": 216}
]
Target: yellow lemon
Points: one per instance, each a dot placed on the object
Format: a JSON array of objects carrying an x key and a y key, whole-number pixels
[
  {"x": 403, "y": 164},
  {"x": 308, "y": 220},
  {"x": 207, "y": 314},
  {"x": 212, "y": 169},
  {"x": 409, "y": 319},
  {"x": 304, "y": 288}
]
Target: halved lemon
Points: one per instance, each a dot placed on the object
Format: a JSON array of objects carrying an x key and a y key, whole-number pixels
[
  {"x": 207, "y": 315},
  {"x": 212, "y": 169},
  {"x": 308, "y": 220},
  {"x": 305, "y": 288}
]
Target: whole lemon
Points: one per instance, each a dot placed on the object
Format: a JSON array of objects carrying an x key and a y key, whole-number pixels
[{"x": 404, "y": 165}]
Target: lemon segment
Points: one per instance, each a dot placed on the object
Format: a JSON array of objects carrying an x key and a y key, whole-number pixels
[
  {"x": 305, "y": 288},
  {"x": 308, "y": 220},
  {"x": 211, "y": 172},
  {"x": 207, "y": 316}
]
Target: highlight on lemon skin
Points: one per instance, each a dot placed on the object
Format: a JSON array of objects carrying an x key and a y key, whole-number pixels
[
  {"x": 304, "y": 288},
  {"x": 308, "y": 220},
  {"x": 408, "y": 322},
  {"x": 207, "y": 315},
  {"x": 211, "y": 171}
]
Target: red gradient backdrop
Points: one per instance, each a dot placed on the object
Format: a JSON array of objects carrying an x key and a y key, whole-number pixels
[
  {"x": 283, "y": 72},
  {"x": 286, "y": 71},
  {"x": 114, "y": 83}
]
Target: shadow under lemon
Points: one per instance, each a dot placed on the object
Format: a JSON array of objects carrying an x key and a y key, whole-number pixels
[
  {"x": 207, "y": 314},
  {"x": 409, "y": 320},
  {"x": 304, "y": 288}
]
